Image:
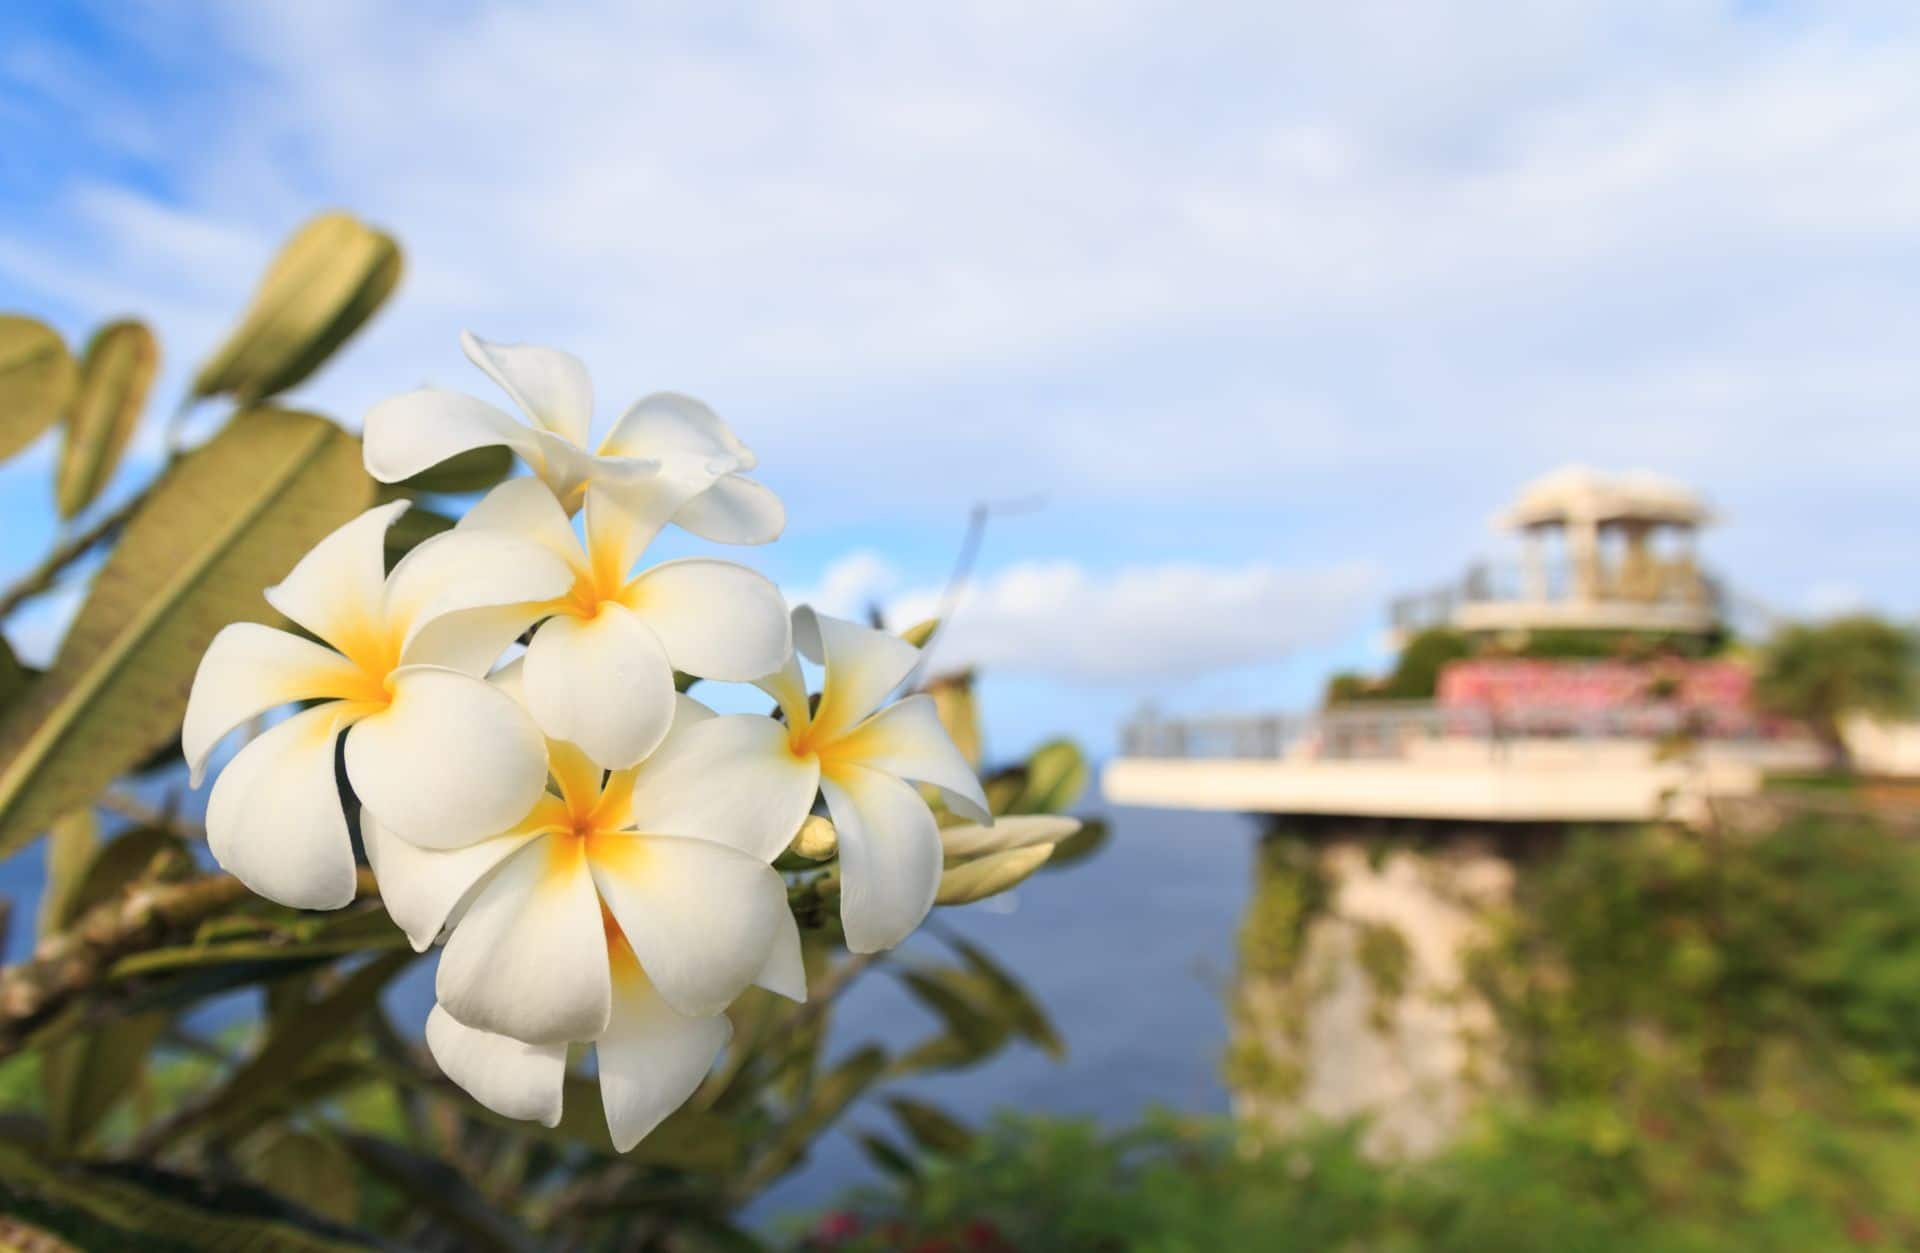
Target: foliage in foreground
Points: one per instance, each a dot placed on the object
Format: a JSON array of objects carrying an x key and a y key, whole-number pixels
[
  {"x": 1717, "y": 1046},
  {"x": 308, "y": 1120}
]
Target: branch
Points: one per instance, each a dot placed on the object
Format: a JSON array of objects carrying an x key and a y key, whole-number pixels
[
  {"x": 43, "y": 576},
  {"x": 69, "y": 964}
]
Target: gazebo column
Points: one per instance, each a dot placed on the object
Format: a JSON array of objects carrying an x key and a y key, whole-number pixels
[{"x": 1533, "y": 567}]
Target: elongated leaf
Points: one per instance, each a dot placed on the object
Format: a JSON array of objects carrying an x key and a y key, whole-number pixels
[
  {"x": 136, "y": 1207},
  {"x": 931, "y": 1127},
  {"x": 440, "y": 1190},
  {"x": 13, "y": 676},
  {"x": 70, "y": 849},
  {"x": 411, "y": 529},
  {"x": 831, "y": 1095},
  {"x": 475, "y": 470},
  {"x": 120, "y": 861},
  {"x": 298, "y": 1041},
  {"x": 1016, "y": 1005},
  {"x": 313, "y": 1171},
  {"x": 86, "y": 1076},
  {"x": 954, "y": 701},
  {"x": 1056, "y": 776},
  {"x": 323, "y": 286},
  {"x": 37, "y": 378},
  {"x": 1082, "y": 844},
  {"x": 115, "y": 375},
  {"x": 228, "y": 520}
]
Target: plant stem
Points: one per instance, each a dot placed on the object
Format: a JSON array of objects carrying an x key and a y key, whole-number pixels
[
  {"x": 68, "y": 964},
  {"x": 43, "y": 576}
]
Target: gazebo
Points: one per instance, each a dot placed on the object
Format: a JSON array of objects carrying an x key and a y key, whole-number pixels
[{"x": 1597, "y": 552}]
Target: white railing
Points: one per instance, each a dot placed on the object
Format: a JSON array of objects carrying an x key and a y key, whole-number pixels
[{"x": 1397, "y": 730}]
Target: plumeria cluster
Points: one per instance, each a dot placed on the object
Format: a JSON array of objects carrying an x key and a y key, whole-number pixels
[{"x": 593, "y": 848}]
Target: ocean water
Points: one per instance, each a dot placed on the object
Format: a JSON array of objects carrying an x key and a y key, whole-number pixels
[{"x": 1130, "y": 953}]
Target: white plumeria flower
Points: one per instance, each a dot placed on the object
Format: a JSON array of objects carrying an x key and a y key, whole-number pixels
[
  {"x": 440, "y": 753},
  {"x": 650, "y": 1057},
  {"x": 665, "y": 440},
  {"x": 890, "y": 851},
  {"x": 667, "y": 855},
  {"x": 599, "y": 671}
]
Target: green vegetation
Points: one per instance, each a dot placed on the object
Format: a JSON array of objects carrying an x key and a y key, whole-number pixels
[
  {"x": 316, "y": 1122},
  {"x": 1821, "y": 672},
  {"x": 1715, "y": 1045}
]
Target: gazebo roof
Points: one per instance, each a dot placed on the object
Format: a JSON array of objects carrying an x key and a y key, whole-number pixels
[{"x": 1580, "y": 493}]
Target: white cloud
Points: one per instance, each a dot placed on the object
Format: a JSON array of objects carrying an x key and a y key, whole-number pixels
[
  {"x": 1058, "y": 620},
  {"x": 1355, "y": 268}
]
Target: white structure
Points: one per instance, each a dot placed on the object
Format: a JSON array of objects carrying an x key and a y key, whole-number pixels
[{"x": 1598, "y": 552}]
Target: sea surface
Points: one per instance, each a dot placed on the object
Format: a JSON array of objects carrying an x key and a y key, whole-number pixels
[{"x": 1129, "y": 952}]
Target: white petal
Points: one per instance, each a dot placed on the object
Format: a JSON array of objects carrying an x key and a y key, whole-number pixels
[
  {"x": 687, "y": 712},
  {"x": 470, "y": 641},
  {"x": 733, "y": 779},
  {"x": 965, "y": 843},
  {"x": 862, "y": 666},
  {"x": 890, "y": 857},
  {"x": 717, "y": 619},
  {"x": 667, "y": 425},
  {"x": 406, "y": 434},
  {"x": 622, "y": 519},
  {"x": 788, "y": 687},
  {"x": 461, "y": 570},
  {"x": 550, "y": 386},
  {"x": 422, "y": 886},
  {"x": 701, "y": 916},
  {"x": 274, "y": 819},
  {"x": 451, "y": 761},
  {"x": 527, "y": 508},
  {"x": 735, "y": 510},
  {"x": 529, "y": 957},
  {"x": 909, "y": 740},
  {"x": 510, "y": 1078},
  {"x": 651, "y": 1057},
  {"x": 786, "y": 970},
  {"x": 603, "y": 683},
  {"x": 337, "y": 589},
  {"x": 247, "y": 670}
]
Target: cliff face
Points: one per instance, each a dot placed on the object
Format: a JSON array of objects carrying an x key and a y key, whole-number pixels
[{"x": 1353, "y": 999}]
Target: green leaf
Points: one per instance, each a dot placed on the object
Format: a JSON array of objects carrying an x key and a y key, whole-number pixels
[
  {"x": 115, "y": 375},
  {"x": 227, "y": 521},
  {"x": 313, "y": 1171},
  {"x": 120, "y": 861},
  {"x": 888, "y": 1156},
  {"x": 829, "y": 1098},
  {"x": 37, "y": 378},
  {"x": 125, "y": 1206},
  {"x": 1056, "y": 776},
  {"x": 931, "y": 1127},
  {"x": 959, "y": 712},
  {"x": 87, "y": 1075},
  {"x": 326, "y": 282},
  {"x": 411, "y": 529},
  {"x": 1015, "y": 1004},
  {"x": 298, "y": 1041},
  {"x": 14, "y": 677},
  {"x": 70, "y": 850},
  {"x": 1082, "y": 844},
  {"x": 438, "y": 1189},
  {"x": 474, "y": 470}
]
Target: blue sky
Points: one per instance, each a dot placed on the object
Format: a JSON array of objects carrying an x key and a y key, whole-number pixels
[{"x": 1271, "y": 305}]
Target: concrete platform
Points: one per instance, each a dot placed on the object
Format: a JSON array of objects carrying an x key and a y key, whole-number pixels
[{"x": 1585, "y": 789}]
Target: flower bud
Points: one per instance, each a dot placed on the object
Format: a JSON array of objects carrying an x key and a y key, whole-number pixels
[{"x": 816, "y": 840}]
